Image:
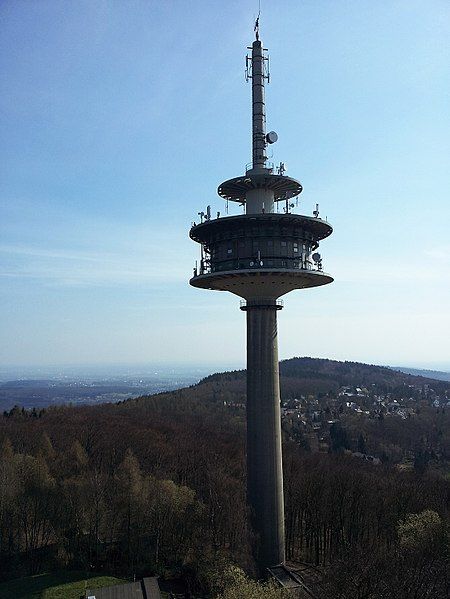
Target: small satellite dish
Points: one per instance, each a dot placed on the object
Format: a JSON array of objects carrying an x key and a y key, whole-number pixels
[
  {"x": 316, "y": 257},
  {"x": 271, "y": 137}
]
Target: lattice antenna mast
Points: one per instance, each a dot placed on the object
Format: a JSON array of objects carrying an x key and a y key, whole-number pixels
[{"x": 257, "y": 69}]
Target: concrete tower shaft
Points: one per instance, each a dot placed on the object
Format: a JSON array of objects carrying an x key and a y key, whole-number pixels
[{"x": 264, "y": 464}]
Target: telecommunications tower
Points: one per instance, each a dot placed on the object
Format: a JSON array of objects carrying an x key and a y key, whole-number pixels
[{"x": 260, "y": 256}]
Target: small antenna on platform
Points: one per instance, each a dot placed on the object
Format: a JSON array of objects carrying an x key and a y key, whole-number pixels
[{"x": 317, "y": 258}]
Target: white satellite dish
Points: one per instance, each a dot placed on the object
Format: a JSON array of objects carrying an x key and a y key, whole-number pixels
[
  {"x": 271, "y": 137},
  {"x": 316, "y": 257}
]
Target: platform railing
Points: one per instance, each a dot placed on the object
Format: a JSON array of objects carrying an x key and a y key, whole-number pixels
[
  {"x": 280, "y": 210},
  {"x": 261, "y": 302},
  {"x": 206, "y": 268}
]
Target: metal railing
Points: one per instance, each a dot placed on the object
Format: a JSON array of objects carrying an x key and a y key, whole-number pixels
[
  {"x": 261, "y": 302},
  {"x": 207, "y": 266}
]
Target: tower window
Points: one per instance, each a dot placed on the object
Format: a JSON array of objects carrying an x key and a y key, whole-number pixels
[{"x": 229, "y": 250}]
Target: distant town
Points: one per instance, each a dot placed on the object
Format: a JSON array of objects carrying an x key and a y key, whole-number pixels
[
  {"x": 48, "y": 387},
  {"x": 315, "y": 419},
  {"x": 316, "y": 415}
]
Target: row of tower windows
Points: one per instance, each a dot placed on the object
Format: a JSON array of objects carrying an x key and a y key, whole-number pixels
[
  {"x": 266, "y": 247},
  {"x": 263, "y": 232}
]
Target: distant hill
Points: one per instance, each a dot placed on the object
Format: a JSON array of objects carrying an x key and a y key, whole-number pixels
[
  {"x": 431, "y": 374},
  {"x": 313, "y": 375}
]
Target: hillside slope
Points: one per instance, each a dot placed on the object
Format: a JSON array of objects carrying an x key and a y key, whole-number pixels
[{"x": 303, "y": 376}]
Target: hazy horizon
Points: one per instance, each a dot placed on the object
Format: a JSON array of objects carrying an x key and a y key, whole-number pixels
[{"x": 160, "y": 369}]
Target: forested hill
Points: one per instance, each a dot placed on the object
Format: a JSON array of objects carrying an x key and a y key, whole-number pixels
[{"x": 313, "y": 375}]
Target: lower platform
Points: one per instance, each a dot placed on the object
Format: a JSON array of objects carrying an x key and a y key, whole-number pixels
[{"x": 252, "y": 283}]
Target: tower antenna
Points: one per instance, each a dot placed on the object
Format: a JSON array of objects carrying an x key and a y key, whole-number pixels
[{"x": 256, "y": 27}]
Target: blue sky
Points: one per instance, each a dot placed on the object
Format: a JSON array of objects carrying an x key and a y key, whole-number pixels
[{"x": 119, "y": 120}]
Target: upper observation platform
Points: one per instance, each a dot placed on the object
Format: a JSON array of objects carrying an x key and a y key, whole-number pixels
[
  {"x": 260, "y": 255},
  {"x": 299, "y": 226},
  {"x": 283, "y": 187}
]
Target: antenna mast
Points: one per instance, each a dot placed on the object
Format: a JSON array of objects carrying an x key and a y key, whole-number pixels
[{"x": 258, "y": 73}]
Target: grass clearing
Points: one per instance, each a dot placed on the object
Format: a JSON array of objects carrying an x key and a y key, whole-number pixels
[{"x": 59, "y": 585}]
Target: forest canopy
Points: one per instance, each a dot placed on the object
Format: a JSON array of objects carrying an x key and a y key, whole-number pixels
[{"x": 156, "y": 485}]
